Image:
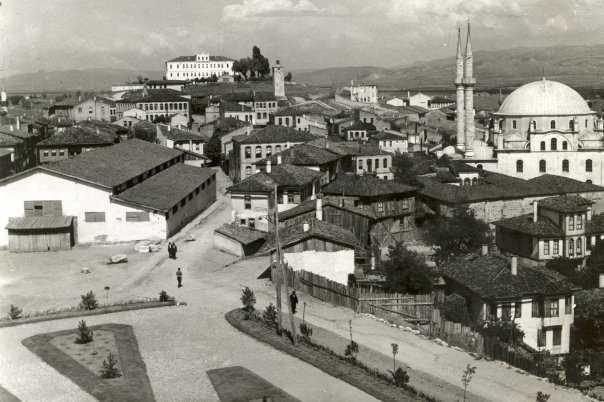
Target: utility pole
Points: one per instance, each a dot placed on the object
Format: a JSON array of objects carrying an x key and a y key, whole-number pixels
[
  {"x": 283, "y": 275},
  {"x": 275, "y": 264}
]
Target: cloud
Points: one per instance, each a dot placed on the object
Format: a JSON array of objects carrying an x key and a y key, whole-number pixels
[{"x": 273, "y": 8}]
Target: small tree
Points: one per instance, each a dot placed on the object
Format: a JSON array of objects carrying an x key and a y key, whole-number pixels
[
  {"x": 270, "y": 315},
  {"x": 394, "y": 353},
  {"x": 164, "y": 296},
  {"x": 14, "y": 312},
  {"x": 89, "y": 301},
  {"x": 541, "y": 397},
  {"x": 466, "y": 378},
  {"x": 399, "y": 377},
  {"x": 306, "y": 331},
  {"x": 85, "y": 334},
  {"x": 406, "y": 271},
  {"x": 352, "y": 349},
  {"x": 248, "y": 298},
  {"x": 288, "y": 77},
  {"x": 110, "y": 369}
]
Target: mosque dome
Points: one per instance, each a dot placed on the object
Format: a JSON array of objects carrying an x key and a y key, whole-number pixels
[{"x": 544, "y": 98}]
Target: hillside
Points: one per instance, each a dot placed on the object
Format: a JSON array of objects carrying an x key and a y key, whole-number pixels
[
  {"x": 578, "y": 66},
  {"x": 69, "y": 80}
]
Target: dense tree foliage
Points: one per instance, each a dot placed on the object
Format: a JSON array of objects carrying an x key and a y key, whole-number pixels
[
  {"x": 455, "y": 309},
  {"x": 406, "y": 271},
  {"x": 506, "y": 331},
  {"x": 288, "y": 76},
  {"x": 251, "y": 67}
]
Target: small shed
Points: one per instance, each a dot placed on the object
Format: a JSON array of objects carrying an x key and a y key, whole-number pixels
[
  {"x": 40, "y": 233},
  {"x": 238, "y": 240}
]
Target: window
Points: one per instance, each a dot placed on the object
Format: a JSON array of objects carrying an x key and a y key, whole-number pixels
[
  {"x": 136, "y": 216},
  {"x": 291, "y": 199},
  {"x": 536, "y": 308},
  {"x": 466, "y": 181},
  {"x": 519, "y": 166},
  {"x": 377, "y": 164},
  {"x": 565, "y": 165},
  {"x": 540, "y": 338},
  {"x": 493, "y": 311},
  {"x": 546, "y": 247},
  {"x": 568, "y": 305},
  {"x": 564, "y": 146},
  {"x": 248, "y": 152},
  {"x": 183, "y": 202},
  {"x": 94, "y": 216},
  {"x": 506, "y": 312},
  {"x": 555, "y": 249},
  {"x": 278, "y": 148},
  {"x": 385, "y": 162},
  {"x": 571, "y": 125},
  {"x": 552, "y": 308},
  {"x": 571, "y": 223},
  {"x": 514, "y": 125},
  {"x": 380, "y": 207},
  {"x": 588, "y": 165},
  {"x": 557, "y": 336},
  {"x": 269, "y": 150},
  {"x": 518, "y": 310},
  {"x": 247, "y": 201},
  {"x": 258, "y": 152},
  {"x": 542, "y": 145},
  {"x": 554, "y": 144},
  {"x": 45, "y": 153},
  {"x": 571, "y": 248},
  {"x": 174, "y": 209},
  {"x": 280, "y": 121},
  {"x": 534, "y": 125},
  {"x": 552, "y": 124},
  {"x": 542, "y": 166},
  {"x": 248, "y": 170},
  {"x": 579, "y": 246},
  {"x": 579, "y": 222}
]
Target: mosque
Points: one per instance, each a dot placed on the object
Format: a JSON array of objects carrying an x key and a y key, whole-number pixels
[{"x": 543, "y": 127}]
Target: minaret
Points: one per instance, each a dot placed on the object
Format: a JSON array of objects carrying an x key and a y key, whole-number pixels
[
  {"x": 459, "y": 110},
  {"x": 469, "y": 83},
  {"x": 278, "y": 81}
]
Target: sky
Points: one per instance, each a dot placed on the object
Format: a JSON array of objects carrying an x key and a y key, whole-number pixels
[{"x": 304, "y": 34}]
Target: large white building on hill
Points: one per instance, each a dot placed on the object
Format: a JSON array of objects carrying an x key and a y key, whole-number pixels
[{"x": 198, "y": 66}]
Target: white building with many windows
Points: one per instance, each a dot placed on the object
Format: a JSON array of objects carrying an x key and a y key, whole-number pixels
[{"x": 201, "y": 65}]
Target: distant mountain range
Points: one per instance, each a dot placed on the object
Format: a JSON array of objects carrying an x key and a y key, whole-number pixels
[
  {"x": 578, "y": 66},
  {"x": 70, "y": 80}
]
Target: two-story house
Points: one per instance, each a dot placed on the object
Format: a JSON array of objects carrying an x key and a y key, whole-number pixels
[
  {"x": 73, "y": 141},
  {"x": 556, "y": 228},
  {"x": 253, "y": 199},
  {"x": 364, "y": 159},
  {"x": 95, "y": 108},
  {"x": 265, "y": 105},
  {"x": 392, "y": 203},
  {"x": 359, "y": 132},
  {"x": 495, "y": 287},
  {"x": 178, "y": 138},
  {"x": 155, "y": 102},
  {"x": 390, "y": 141},
  {"x": 259, "y": 144}
]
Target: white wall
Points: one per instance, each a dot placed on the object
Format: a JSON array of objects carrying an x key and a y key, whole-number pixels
[
  {"x": 333, "y": 265},
  {"x": 226, "y": 244}
]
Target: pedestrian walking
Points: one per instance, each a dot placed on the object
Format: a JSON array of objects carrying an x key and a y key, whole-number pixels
[
  {"x": 293, "y": 301},
  {"x": 174, "y": 250},
  {"x": 179, "y": 277},
  {"x": 170, "y": 249}
]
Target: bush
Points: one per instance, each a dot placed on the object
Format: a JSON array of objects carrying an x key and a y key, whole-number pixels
[
  {"x": 506, "y": 331},
  {"x": 270, "y": 315},
  {"x": 400, "y": 378},
  {"x": 541, "y": 397},
  {"x": 248, "y": 299},
  {"x": 85, "y": 333},
  {"x": 110, "y": 369},
  {"x": 455, "y": 309},
  {"x": 88, "y": 301},
  {"x": 306, "y": 331},
  {"x": 164, "y": 296},
  {"x": 352, "y": 349},
  {"x": 14, "y": 312}
]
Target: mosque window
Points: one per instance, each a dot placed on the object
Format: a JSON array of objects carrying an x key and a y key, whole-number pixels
[
  {"x": 588, "y": 165},
  {"x": 552, "y": 124},
  {"x": 519, "y": 166},
  {"x": 554, "y": 144},
  {"x": 543, "y": 145},
  {"x": 565, "y": 165},
  {"x": 585, "y": 123},
  {"x": 571, "y": 125},
  {"x": 542, "y": 166},
  {"x": 564, "y": 145},
  {"x": 500, "y": 125},
  {"x": 514, "y": 124},
  {"x": 534, "y": 125}
]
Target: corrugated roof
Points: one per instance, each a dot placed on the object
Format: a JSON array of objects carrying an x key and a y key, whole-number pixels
[
  {"x": 167, "y": 188},
  {"x": 39, "y": 222},
  {"x": 364, "y": 186}
]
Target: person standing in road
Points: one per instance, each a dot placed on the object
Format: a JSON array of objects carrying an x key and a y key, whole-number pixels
[
  {"x": 174, "y": 250},
  {"x": 293, "y": 301},
  {"x": 179, "y": 277}
]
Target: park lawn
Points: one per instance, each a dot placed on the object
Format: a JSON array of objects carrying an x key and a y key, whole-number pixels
[{"x": 81, "y": 368}]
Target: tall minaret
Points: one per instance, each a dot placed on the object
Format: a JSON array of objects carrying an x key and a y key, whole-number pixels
[
  {"x": 469, "y": 83},
  {"x": 459, "y": 110}
]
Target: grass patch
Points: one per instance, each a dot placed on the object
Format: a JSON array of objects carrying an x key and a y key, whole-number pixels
[
  {"x": 78, "y": 365},
  {"x": 240, "y": 384},
  {"x": 355, "y": 373}
]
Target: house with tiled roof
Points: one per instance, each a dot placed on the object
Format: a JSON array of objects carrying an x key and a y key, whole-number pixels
[
  {"x": 180, "y": 138},
  {"x": 390, "y": 141},
  {"x": 73, "y": 141},
  {"x": 359, "y": 131},
  {"x": 365, "y": 159},
  {"x": 201, "y": 65},
  {"x": 558, "y": 227},
  {"x": 392, "y": 203},
  {"x": 238, "y": 111},
  {"x": 310, "y": 156},
  {"x": 129, "y": 191},
  {"x": 95, "y": 108},
  {"x": 155, "y": 103},
  {"x": 253, "y": 199},
  {"x": 538, "y": 300},
  {"x": 261, "y": 143},
  {"x": 314, "y": 116}
]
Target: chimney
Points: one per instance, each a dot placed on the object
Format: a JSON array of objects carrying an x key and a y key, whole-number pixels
[
  {"x": 535, "y": 209},
  {"x": 601, "y": 280},
  {"x": 485, "y": 249},
  {"x": 268, "y": 165},
  {"x": 305, "y": 226},
  {"x": 514, "y": 265},
  {"x": 278, "y": 159},
  {"x": 319, "y": 209}
]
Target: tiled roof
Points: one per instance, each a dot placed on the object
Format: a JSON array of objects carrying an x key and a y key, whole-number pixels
[
  {"x": 256, "y": 183},
  {"x": 116, "y": 164},
  {"x": 236, "y": 107},
  {"x": 566, "y": 203},
  {"x": 177, "y": 134},
  {"x": 39, "y": 222},
  {"x": 275, "y": 134},
  {"x": 359, "y": 125},
  {"x": 9, "y": 141},
  {"x": 303, "y": 155},
  {"x": 364, "y": 186},
  {"x": 22, "y": 133},
  {"x": 194, "y": 58},
  {"x": 153, "y": 95},
  {"x": 356, "y": 149},
  {"x": 76, "y": 136},
  {"x": 561, "y": 184},
  {"x": 166, "y": 82},
  {"x": 167, "y": 188},
  {"x": 293, "y": 176},
  {"x": 383, "y": 135},
  {"x": 491, "y": 278},
  {"x": 311, "y": 205},
  {"x": 264, "y": 96},
  {"x": 544, "y": 227},
  {"x": 242, "y": 234},
  {"x": 317, "y": 229},
  {"x": 310, "y": 107}
]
